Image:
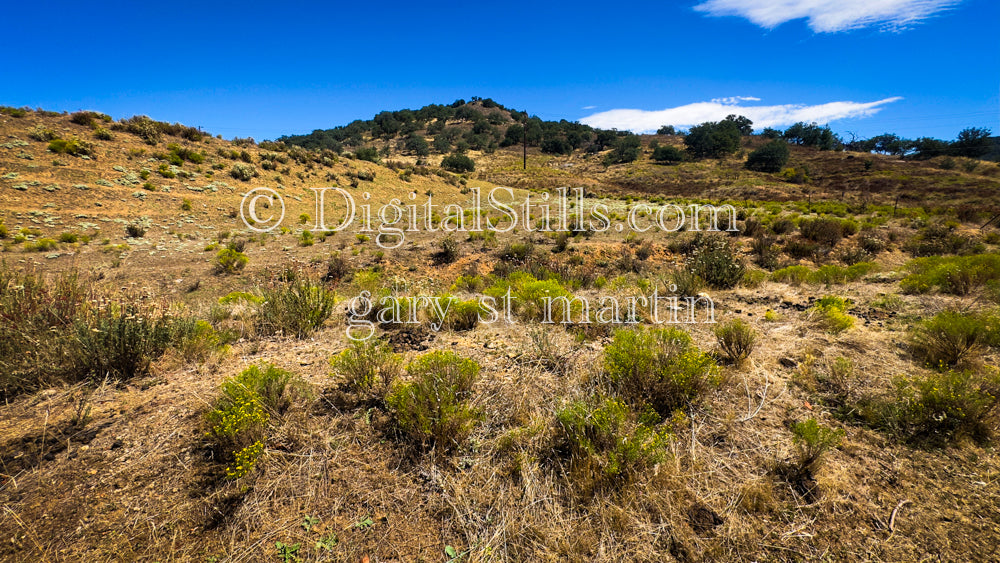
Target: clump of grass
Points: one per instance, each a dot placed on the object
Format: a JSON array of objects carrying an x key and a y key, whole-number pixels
[
  {"x": 830, "y": 312},
  {"x": 661, "y": 368},
  {"x": 37, "y": 328},
  {"x": 688, "y": 283},
  {"x": 121, "y": 338},
  {"x": 951, "y": 403},
  {"x": 737, "y": 340},
  {"x": 827, "y": 230},
  {"x": 517, "y": 252},
  {"x": 431, "y": 408},
  {"x": 939, "y": 239}
]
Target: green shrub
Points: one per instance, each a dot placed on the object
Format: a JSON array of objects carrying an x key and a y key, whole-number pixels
[
  {"x": 296, "y": 309},
  {"x": 40, "y": 245},
  {"x": 239, "y": 419},
  {"x": 42, "y": 134},
  {"x": 367, "y": 153},
  {"x": 951, "y": 337},
  {"x": 458, "y": 163},
  {"x": 824, "y": 230},
  {"x": 102, "y": 134},
  {"x": 626, "y": 148},
  {"x": 230, "y": 261},
  {"x": 737, "y": 340},
  {"x": 464, "y": 315},
  {"x": 606, "y": 442},
  {"x": 75, "y": 147},
  {"x": 793, "y": 275},
  {"x": 688, "y": 284},
  {"x": 13, "y": 112},
  {"x": 942, "y": 406},
  {"x": 939, "y": 239},
  {"x": 136, "y": 228},
  {"x": 165, "y": 171},
  {"x": 772, "y": 157},
  {"x": 537, "y": 300},
  {"x": 447, "y": 251},
  {"x": 369, "y": 366},
  {"x": 197, "y": 340},
  {"x": 660, "y": 368},
  {"x": 142, "y": 127},
  {"x": 179, "y": 154},
  {"x": 813, "y": 439},
  {"x": 274, "y": 388},
  {"x": 830, "y": 313},
  {"x": 715, "y": 261},
  {"x": 958, "y": 275},
  {"x": 243, "y": 172},
  {"x": 431, "y": 409},
  {"x": 668, "y": 154},
  {"x": 470, "y": 283},
  {"x": 88, "y": 118}
]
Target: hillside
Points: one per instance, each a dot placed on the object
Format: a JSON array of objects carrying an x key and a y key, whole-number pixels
[
  {"x": 569, "y": 154},
  {"x": 181, "y": 387}
]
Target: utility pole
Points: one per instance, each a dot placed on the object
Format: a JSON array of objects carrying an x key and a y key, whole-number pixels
[{"x": 524, "y": 137}]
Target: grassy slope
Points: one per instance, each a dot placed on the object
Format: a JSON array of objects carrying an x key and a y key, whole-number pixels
[{"x": 134, "y": 482}]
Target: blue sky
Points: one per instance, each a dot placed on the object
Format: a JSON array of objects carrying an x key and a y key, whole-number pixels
[{"x": 913, "y": 67}]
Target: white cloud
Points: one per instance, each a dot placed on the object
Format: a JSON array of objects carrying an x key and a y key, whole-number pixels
[
  {"x": 828, "y": 16},
  {"x": 588, "y": 107},
  {"x": 641, "y": 121},
  {"x": 733, "y": 100}
]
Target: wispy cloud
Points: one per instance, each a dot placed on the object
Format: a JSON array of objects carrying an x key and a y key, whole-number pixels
[
  {"x": 829, "y": 16},
  {"x": 731, "y": 100},
  {"x": 641, "y": 121},
  {"x": 588, "y": 107}
]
